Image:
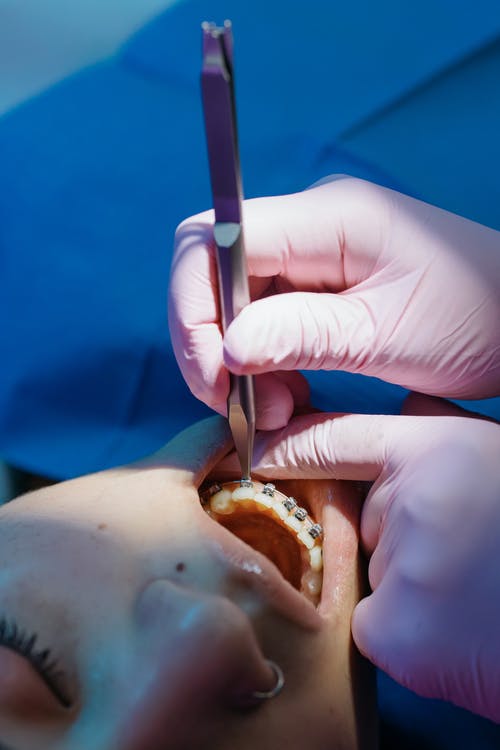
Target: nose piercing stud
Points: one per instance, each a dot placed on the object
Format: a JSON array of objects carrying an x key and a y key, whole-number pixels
[{"x": 263, "y": 695}]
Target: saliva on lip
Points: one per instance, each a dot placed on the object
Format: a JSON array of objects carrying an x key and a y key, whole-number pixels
[{"x": 245, "y": 496}]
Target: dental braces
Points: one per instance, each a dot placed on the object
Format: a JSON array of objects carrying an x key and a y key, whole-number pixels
[
  {"x": 220, "y": 500},
  {"x": 223, "y": 499}
]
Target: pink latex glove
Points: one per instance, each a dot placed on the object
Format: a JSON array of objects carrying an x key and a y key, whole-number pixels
[
  {"x": 362, "y": 279},
  {"x": 431, "y": 526}
]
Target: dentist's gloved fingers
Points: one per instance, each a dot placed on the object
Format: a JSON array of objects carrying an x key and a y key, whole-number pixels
[
  {"x": 302, "y": 330},
  {"x": 381, "y": 250},
  {"x": 315, "y": 446},
  {"x": 431, "y": 644},
  {"x": 385, "y": 629},
  {"x": 276, "y": 397},
  {"x": 299, "y": 237},
  {"x": 298, "y": 387},
  {"x": 377, "y": 620},
  {"x": 376, "y": 448},
  {"x": 284, "y": 251},
  {"x": 319, "y": 446},
  {"x": 279, "y": 395},
  {"x": 432, "y": 459},
  {"x": 296, "y": 237},
  {"x": 196, "y": 335},
  {"x": 430, "y": 523},
  {"x": 194, "y": 315},
  {"x": 432, "y": 620},
  {"x": 364, "y": 447}
]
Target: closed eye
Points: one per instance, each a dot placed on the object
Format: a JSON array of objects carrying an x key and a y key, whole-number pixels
[{"x": 21, "y": 642}]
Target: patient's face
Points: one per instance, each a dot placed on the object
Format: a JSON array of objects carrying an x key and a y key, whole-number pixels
[{"x": 160, "y": 619}]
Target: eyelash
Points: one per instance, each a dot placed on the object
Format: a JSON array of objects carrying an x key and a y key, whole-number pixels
[{"x": 18, "y": 640}]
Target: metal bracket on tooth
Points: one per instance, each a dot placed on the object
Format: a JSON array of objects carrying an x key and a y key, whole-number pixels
[{"x": 269, "y": 489}]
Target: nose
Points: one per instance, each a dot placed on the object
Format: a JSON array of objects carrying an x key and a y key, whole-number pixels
[{"x": 201, "y": 660}]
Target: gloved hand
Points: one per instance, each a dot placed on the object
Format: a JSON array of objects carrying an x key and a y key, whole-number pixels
[
  {"x": 350, "y": 276},
  {"x": 431, "y": 526}
]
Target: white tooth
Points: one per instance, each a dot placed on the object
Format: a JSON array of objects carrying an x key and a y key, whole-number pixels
[
  {"x": 243, "y": 493},
  {"x": 294, "y": 523},
  {"x": 221, "y": 502},
  {"x": 316, "y": 558},
  {"x": 262, "y": 498},
  {"x": 312, "y": 583},
  {"x": 280, "y": 510},
  {"x": 306, "y": 539}
]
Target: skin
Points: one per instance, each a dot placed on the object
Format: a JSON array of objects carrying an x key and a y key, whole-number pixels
[{"x": 161, "y": 636}]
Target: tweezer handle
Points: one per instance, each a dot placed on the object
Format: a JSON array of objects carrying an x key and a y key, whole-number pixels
[
  {"x": 231, "y": 268},
  {"x": 219, "y": 110},
  {"x": 234, "y": 295},
  {"x": 240, "y": 405}
]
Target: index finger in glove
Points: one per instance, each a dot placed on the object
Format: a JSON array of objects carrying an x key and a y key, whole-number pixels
[
  {"x": 339, "y": 446},
  {"x": 361, "y": 446}
]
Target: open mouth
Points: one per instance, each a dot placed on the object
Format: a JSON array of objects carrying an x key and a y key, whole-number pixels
[{"x": 274, "y": 524}]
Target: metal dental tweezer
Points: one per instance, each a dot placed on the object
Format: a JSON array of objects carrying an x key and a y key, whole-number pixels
[{"x": 219, "y": 110}]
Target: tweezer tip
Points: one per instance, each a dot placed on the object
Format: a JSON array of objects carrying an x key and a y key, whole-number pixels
[{"x": 210, "y": 28}]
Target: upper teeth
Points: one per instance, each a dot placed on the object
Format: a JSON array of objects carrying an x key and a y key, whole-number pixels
[
  {"x": 221, "y": 502},
  {"x": 232, "y": 496},
  {"x": 224, "y": 500}
]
